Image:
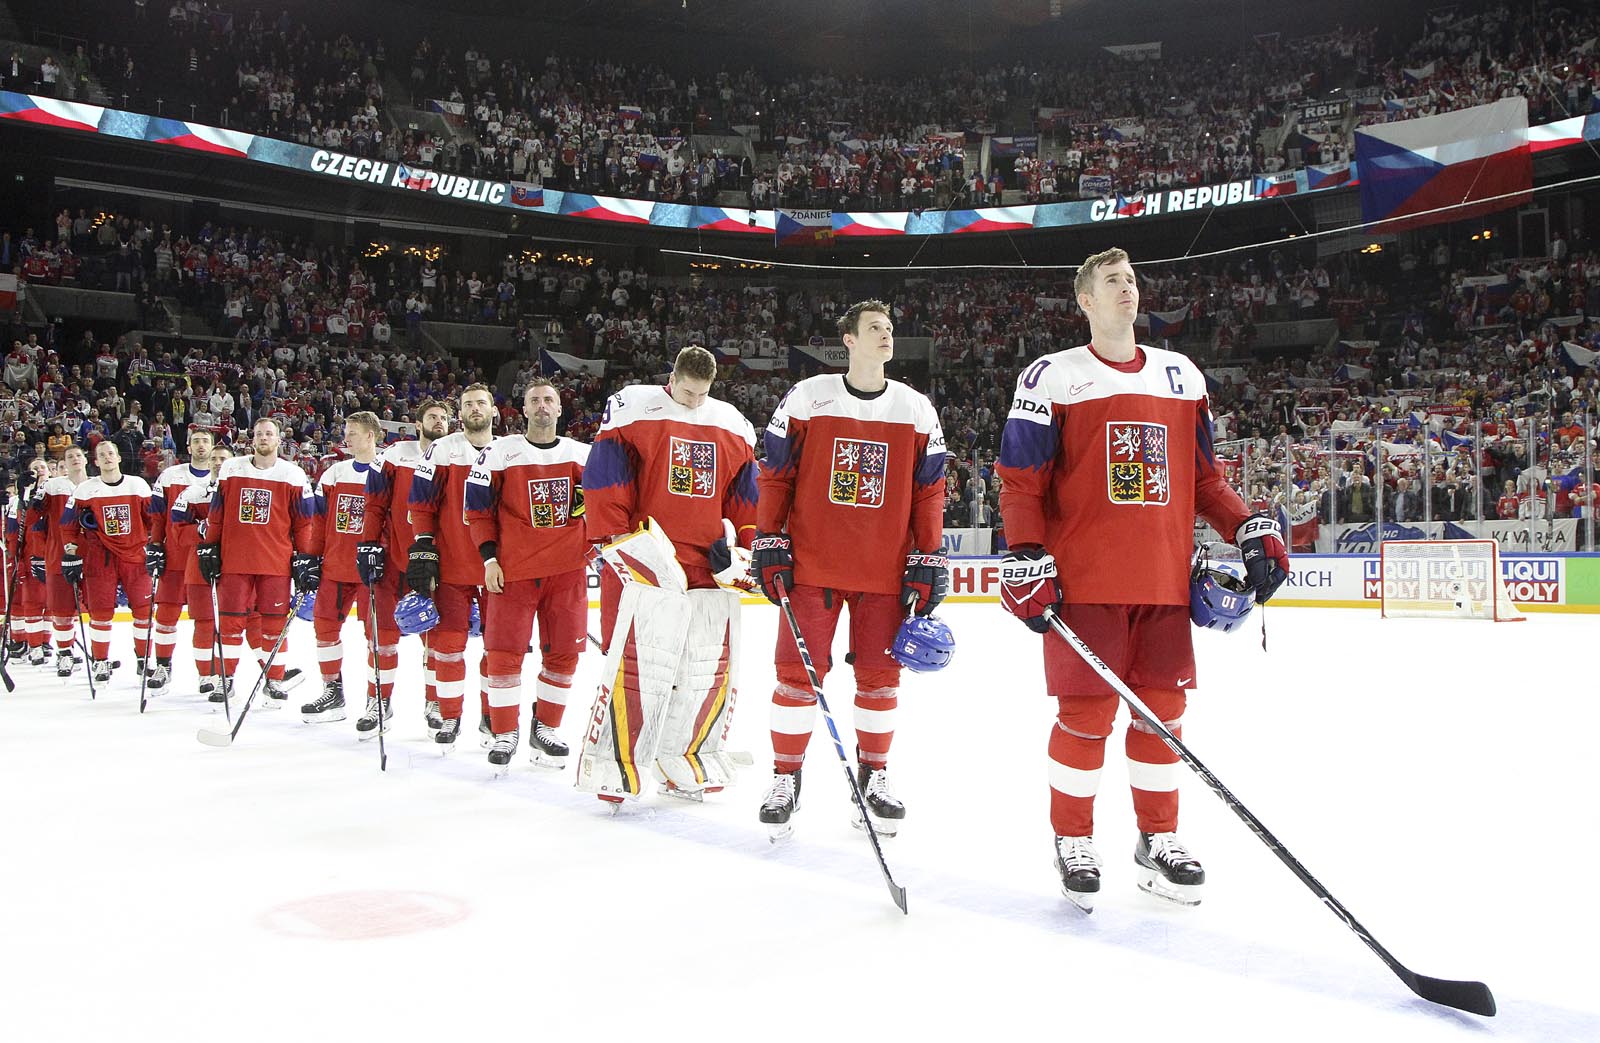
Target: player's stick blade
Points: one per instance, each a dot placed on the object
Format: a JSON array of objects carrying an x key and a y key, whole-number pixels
[
  {"x": 1473, "y": 997},
  {"x": 898, "y": 893},
  {"x": 214, "y": 738}
]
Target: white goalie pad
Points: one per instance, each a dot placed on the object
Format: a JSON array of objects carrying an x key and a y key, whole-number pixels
[
  {"x": 692, "y": 751},
  {"x": 645, "y": 557},
  {"x": 635, "y": 689}
]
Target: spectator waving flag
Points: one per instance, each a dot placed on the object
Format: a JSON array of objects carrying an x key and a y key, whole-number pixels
[
  {"x": 554, "y": 363},
  {"x": 1275, "y": 185},
  {"x": 804, "y": 228},
  {"x": 1130, "y": 206},
  {"x": 8, "y": 292},
  {"x": 1447, "y": 167},
  {"x": 524, "y": 194}
]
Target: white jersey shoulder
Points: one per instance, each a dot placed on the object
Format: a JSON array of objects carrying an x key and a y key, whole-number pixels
[
  {"x": 178, "y": 476},
  {"x": 401, "y": 454},
  {"x": 281, "y": 471},
  {"x": 827, "y": 395},
  {"x": 344, "y": 472},
  {"x": 1076, "y": 375},
  {"x": 60, "y": 485},
  {"x": 453, "y": 450},
  {"x": 97, "y": 489},
  {"x": 514, "y": 450},
  {"x": 644, "y": 403}
]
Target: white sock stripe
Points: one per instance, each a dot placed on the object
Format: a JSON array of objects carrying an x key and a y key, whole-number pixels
[
  {"x": 500, "y": 698},
  {"x": 1154, "y": 778},
  {"x": 560, "y": 680},
  {"x": 874, "y": 722},
  {"x": 452, "y": 689},
  {"x": 789, "y": 691},
  {"x": 450, "y": 657},
  {"x": 555, "y": 695},
  {"x": 1074, "y": 782},
  {"x": 792, "y": 720}
]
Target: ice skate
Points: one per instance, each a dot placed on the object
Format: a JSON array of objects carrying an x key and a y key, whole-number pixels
[
  {"x": 327, "y": 707},
  {"x": 545, "y": 747},
  {"x": 885, "y": 811},
  {"x": 485, "y": 732},
  {"x": 160, "y": 675},
  {"x": 1167, "y": 870},
  {"x": 782, "y": 801},
  {"x": 276, "y": 695},
  {"x": 36, "y": 656},
  {"x": 291, "y": 679},
  {"x": 208, "y": 688},
  {"x": 64, "y": 664},
  {"x": 102, "y": 671},
  {"x": 431, "y": 716},
  {"x": 501, "y": 752},
  {"x": 15, "y": 647},
  {"x": 1079, "y": 865},
  {"x": 449, "y": 728},
  {"x": 138, "y": 667},
  {"x": 221, "y": 691},
  {"x": 367, "y": 723}
]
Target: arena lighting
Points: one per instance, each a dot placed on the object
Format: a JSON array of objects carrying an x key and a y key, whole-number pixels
[{"x": 1372, "y": 248}]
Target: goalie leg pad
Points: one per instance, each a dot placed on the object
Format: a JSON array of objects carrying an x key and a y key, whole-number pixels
[
  {"x": 693, "y": 738},
  {"x": 636, "y": 688}
]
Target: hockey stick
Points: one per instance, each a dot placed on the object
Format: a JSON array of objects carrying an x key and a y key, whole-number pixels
[
  {"x": 896, "y": 892},
  {"x": 217, "y": 662},
  {"x": 377, "y": 674},
  {"x": 83, "y": 639},
  {"x": 5, "y": 641},
  {"x": 149, "y": 643},
  {"x": 216, "y": 738},
  {"x": 1471, "y": 996}
]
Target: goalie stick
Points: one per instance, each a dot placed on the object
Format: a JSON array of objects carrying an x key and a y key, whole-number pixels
[
  {"x": 1471, "y": 996},
  {"x": 896, "y": 892},
  {"x": 216, "y": 738}
]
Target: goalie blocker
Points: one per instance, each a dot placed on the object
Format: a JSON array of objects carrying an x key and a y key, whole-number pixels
[{"x": 665, "y": 701}]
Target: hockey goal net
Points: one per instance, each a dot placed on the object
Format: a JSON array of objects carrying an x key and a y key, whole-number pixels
[{"x": 1455, "y": 579}]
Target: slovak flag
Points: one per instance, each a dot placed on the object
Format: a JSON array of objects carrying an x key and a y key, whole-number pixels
[
  {"x": 526, "y": 195},
  {"x": 1130, "y": 206},
  {"x": 1445, "y": 168}
]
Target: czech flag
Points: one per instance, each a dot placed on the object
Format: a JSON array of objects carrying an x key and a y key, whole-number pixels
[
  {"x": 1559, "y": 134},
  {"x": 886, "y": 223},
  {"x": 1447, "y": 167},
  {"x": 8, "y": 292},
  {"x": 731, "y": 219},
  {"x": 1130, "y": 206},
  {"x": 1274, "y": 187},
  {"x": 1331, "y": 176},
  {"x": 50, "y": 112},
  {"x": 606, "y": 208},
  {"x": 990, "y": 219},
  {"x": 199, "y": 138}
]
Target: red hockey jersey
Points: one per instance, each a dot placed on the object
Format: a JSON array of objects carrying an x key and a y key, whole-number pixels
[
  {"x": 858, "y": 480},
  {"x": 47, "y": 517},
  {"x": 389, "y": 495},
  {"x": 189, "y": 515},
  {"x": 179, "y": 540},
  {"x": 438, "y": 507},
  {"x": 1106, "y": 465},
  {"x": 108, "y": 521},
  {"x": 340, "y": 509},
  {"x": 521, "y": 496},
  {"x": 261, "y": 516},
  {"x": 686, "y": 468}
]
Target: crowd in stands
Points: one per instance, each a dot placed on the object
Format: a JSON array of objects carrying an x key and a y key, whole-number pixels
[{"x": 594, "y": 125}]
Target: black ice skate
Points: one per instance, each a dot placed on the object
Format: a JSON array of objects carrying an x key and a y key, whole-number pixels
[
  {"x": 291, "y": 679},
  {"x": 327, "y": 707},
  {"x": 102, "y": 671},
  {"x": 449, "y": 728},
  {"x": 885, "y": 811},
  {"x": 485, "y": 732},
  {"x": 545, "y": 747},
  {"x": 36, "y": 655},
  {"x": 159, "y": 677},
  {"x": 64, "y": 663},
  {"x": 15, "y": 647},
  {"x": 431, "y": 715},
  {"x": 782, "y": 801},
  {"x": 501, "y": 752},
  {"x": 277, "y": 696},
  {"x": 221, "y": 691},
  {"x": 1079, "y": 865},
  {"x": 367, "y": 723},
  {"x": 1167, "y": 870}
]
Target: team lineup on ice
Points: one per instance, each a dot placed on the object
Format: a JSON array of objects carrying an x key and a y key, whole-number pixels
[{"x": 466, "y": 554}]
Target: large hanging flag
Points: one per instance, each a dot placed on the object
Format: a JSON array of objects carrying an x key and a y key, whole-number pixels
[
  {"x": 803, "y": 228},
  {"x": 1445, "y": 168}
]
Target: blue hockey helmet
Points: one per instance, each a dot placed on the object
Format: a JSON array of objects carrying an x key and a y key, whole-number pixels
[
  {"x": 923, "y": 644},
  {"x": 307, "y": 607},
  {"x": 415, "y": 614},
  {"x": 1219, "y": 597},
  {"x": 475, "y": 622}
]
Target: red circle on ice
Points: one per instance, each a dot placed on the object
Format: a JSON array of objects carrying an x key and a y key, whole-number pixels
[{"x": 348, "y": 916}]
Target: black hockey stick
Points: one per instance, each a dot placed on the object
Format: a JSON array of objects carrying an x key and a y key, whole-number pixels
[
  {"x": 217, "y": 662},
  {"x": 216, "y": 738},
  {"x": 1471, "y": 996},
  {"x": 83, "y": 639},
  {"x": 5, "y": 641},
  {"x": 377, "y": 673},
  {"x": 149, "y": 643},
  {"x": 896, "y": 892}
]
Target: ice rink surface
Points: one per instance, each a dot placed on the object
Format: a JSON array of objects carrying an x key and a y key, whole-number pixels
[{"x": 1435, "y": 775}]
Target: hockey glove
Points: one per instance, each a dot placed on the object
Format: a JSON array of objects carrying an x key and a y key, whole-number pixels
[
  {"x": 36, "y": 566},
  {"x": 729, "y": 562},
  {"x": 1028, "y": 586},
  {"x": 370, "y": 560},
  {"x": 422, "y": 566},
  {"x": 1266, "y": 559},
  {"x": 155, "y": 560},
  {"x": 307, "y": 572},
  {"x": 926, "y": 582},
  {"x": 72, "y": 567},
  {"x": 772, "y": 564},
  {"x": 208, "y": 559}
]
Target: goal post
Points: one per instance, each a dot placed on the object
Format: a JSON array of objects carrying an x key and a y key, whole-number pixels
[{"x": 1452, "y": 579}]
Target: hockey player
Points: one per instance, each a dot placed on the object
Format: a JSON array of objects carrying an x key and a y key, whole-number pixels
[
  {"x": 172, "y": 546},
  {"x": 676, "y": 468},
  {"x": 190, "y": 513},
  {"x": 257, "y": 531},
  {"x": 1106, "y": 459},
  {"x": 340, "y": 527},
  {"x": 61, "y": 597},
  {"x": 380, "y": 558},
  {"x": 105, "y": 530},
  {"x": 27, "y": 617},
  {"x": 525, "y": 509},
  {"x": 857, "y": 457},
  {"x": 442, "y": 562}
]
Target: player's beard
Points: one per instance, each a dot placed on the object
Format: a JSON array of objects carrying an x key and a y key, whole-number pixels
[{"x": 475, "y": 427}]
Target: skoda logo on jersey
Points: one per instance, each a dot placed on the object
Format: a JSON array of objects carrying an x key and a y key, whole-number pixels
[{"x": 1136, "y": 463}]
